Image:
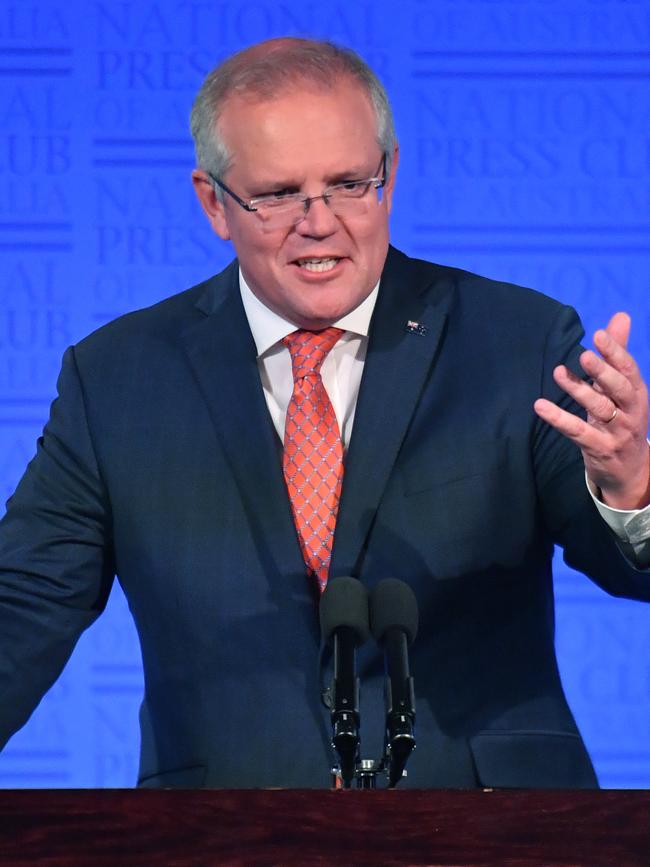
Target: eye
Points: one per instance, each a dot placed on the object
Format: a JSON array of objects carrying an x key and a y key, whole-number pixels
[
  {"x": 274, "y": 195},
  {"x": 350, "y": 186}
]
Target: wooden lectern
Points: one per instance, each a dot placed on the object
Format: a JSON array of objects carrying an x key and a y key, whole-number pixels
[{"x": 137, "y": 828}]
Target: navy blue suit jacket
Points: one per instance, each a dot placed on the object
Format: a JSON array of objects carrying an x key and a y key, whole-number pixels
[{"x": 160, "y": 463}]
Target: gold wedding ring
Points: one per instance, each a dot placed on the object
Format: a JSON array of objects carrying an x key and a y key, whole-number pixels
[{"x": 612, "y": 417}]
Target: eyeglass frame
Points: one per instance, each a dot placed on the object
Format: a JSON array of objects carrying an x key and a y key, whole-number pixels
[{"x": 379, "y": 181}]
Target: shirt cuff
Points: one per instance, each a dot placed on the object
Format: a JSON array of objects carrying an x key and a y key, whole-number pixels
[{"x": 631, "y": 526}]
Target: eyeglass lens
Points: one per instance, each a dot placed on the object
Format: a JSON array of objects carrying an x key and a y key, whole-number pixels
[{"x": 289, "y": 213}]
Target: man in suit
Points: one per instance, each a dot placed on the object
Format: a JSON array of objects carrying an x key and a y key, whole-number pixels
[{"x": 455, "y": 459}]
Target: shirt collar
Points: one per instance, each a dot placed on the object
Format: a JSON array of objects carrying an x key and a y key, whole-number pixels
[{"x": 268, "y": 328}]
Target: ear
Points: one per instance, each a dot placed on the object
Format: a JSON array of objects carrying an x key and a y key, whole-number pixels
[
  {"x": 213, "y": 208},
  {"x": 390, "y": 183}
]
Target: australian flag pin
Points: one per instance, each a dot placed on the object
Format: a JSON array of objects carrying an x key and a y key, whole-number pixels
[{"x": 416, "y": 328}]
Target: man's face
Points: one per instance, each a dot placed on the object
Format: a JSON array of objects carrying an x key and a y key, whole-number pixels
[{"x": 303, "y": 141}]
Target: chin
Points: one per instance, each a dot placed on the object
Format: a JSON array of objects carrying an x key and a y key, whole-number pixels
[
  {"x": 324, "y": 316},
  {"x": 316, "y": 323},
  {"x": 330, "y": 309}
]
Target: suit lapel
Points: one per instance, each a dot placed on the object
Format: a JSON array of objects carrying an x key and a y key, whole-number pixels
[
  {"x": 398, "y": 361},
  {"x": 222, "y": 354}
]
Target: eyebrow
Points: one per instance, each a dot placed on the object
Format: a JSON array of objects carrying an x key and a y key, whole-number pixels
[{"x": 355, "y": 172}]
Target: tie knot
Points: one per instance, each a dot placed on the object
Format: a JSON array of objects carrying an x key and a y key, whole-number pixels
[{"x": 309, "y": 349}]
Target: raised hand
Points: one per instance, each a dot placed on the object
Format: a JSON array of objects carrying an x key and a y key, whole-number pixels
[{"x": 613, "y": 439}]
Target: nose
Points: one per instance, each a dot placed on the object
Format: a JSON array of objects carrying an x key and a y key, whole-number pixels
[{"x": 319, "y": 220}]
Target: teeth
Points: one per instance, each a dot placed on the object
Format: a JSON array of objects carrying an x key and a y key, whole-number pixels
[{"x": 317, "y": 264}]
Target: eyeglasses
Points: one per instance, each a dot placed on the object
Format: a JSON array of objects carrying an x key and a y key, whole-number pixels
[{"x": 282, "y": 209}]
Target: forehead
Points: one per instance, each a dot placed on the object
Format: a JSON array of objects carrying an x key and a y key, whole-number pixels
[{"x": 307, "y": 129}]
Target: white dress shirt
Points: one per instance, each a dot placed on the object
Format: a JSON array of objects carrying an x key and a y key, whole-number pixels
[{"x": 341, "y": 373}]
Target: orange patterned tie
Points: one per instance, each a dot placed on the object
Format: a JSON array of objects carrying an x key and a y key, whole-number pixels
[{"x": 313, "y": 452}]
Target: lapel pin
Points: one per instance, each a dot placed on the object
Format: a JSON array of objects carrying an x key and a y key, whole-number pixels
[{"x": 416, "y": 328}]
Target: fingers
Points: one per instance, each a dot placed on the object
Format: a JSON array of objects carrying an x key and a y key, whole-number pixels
[
  {"x": 615, "y": 385},
  {"x": 614, "y": 373},
  {"x": 613, "y": 438},
  {"x": 598, "y": 403},
  {"x": 618, "y": 327},
  {"x": 606, "y": 382},
  {"x": 615, "y": 353},
  {"x": 572, "y": 426}
]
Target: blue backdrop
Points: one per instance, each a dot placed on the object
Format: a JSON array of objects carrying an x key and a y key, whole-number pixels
[{"x": 525, "y": 136}]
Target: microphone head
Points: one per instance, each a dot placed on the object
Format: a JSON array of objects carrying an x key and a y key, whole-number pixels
[
  {"x": 344, "y": 603},
  {"x": 393, "y": 604}
]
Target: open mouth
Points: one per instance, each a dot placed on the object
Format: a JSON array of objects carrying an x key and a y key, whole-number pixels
[{"x": 319, "y": 265}]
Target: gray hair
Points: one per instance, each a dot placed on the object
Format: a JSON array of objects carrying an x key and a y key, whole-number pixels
[{"x": 269, "y": 68}]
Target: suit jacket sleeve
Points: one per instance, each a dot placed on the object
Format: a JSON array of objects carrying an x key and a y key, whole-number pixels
[{"x": 56, "y": 563}]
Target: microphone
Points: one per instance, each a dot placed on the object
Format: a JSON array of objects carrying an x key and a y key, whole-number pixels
[
  {"x": 344, "y": 624},
  {"x": 394, "y": 624}
]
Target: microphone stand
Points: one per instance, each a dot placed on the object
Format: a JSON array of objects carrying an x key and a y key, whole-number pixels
[
  {"x": 344, "y": 611},
  {"x": 345, "y": 706},
  {"x": 400, "y": 707}
]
